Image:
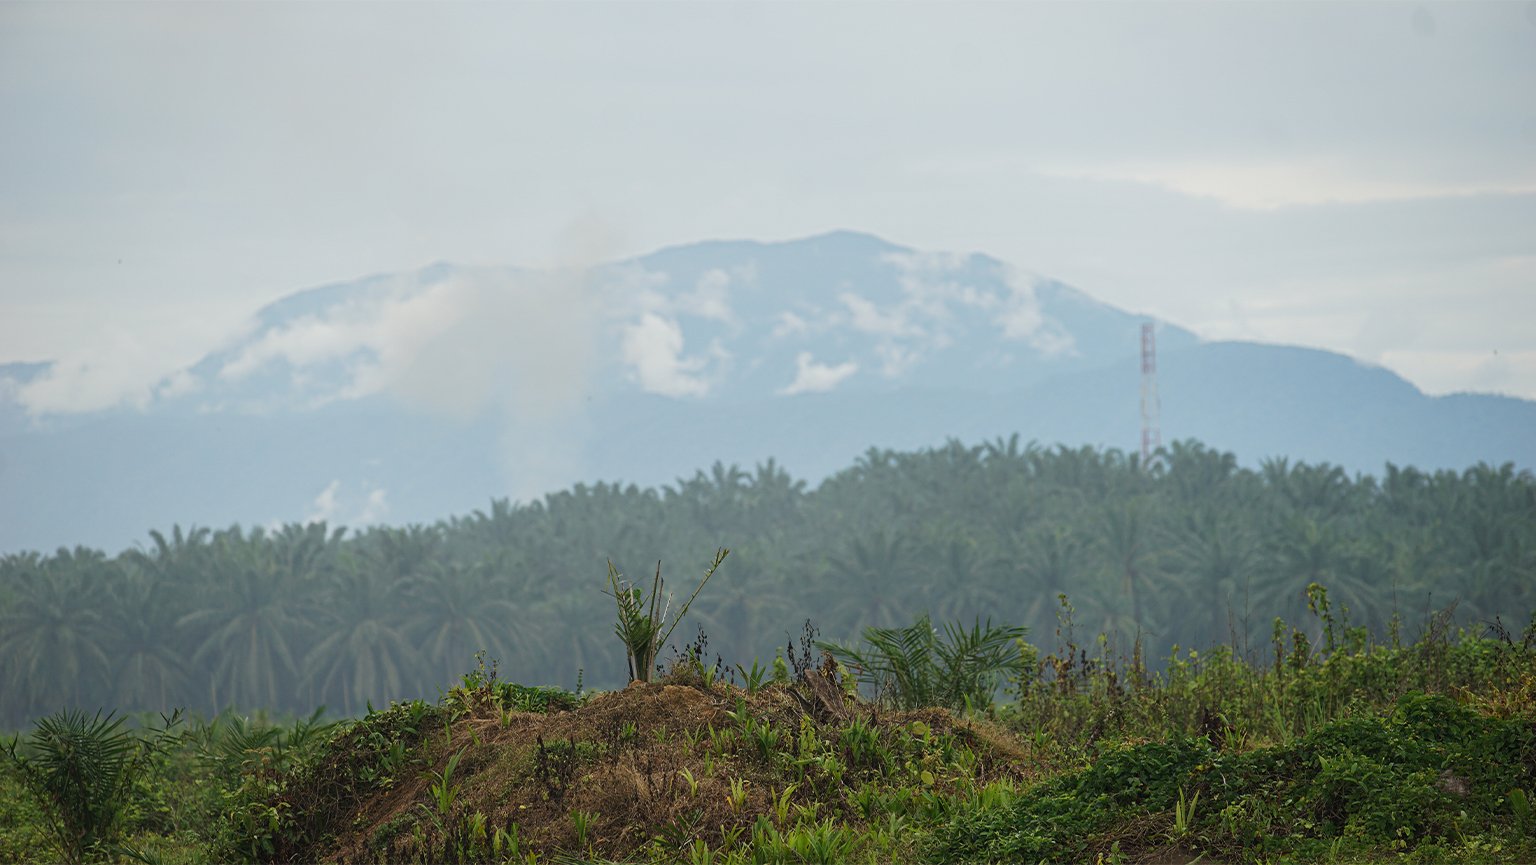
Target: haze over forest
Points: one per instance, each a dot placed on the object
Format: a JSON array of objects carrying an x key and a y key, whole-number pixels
[
  {"x": 964, "y": 422},
  {"x": 323, "y": 333},
  {"x": 415, "y": 397}
]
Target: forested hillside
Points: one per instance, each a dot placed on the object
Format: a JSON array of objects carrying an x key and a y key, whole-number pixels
[{"x": 1192, "y": 550}]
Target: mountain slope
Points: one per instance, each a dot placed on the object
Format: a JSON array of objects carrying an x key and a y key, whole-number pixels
[{"x": 413, "y": 396}]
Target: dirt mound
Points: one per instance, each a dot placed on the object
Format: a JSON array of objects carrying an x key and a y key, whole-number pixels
[{"x": 652, "y": 769}]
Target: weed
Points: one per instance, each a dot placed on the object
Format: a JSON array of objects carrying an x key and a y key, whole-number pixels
[
  {"x": 582, "y": 822},
  {"x": 753, "y": 679},
  {"x": 737, "y": 797},
  {"x": 1184, "y": 814},
  {"x": 693, "y": 783},
  {"x": 781, "y": 803},
  {"x": 444, "y": 793}
]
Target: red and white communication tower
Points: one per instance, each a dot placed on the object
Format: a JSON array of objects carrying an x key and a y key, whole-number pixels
[{"x": 1151, "y": 435}]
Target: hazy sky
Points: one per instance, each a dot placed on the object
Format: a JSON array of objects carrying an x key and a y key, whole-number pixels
[{"x": 1355, "y": 177}]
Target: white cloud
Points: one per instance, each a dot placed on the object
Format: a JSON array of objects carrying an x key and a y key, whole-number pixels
[
  {"x": 1021, "y": 318},
  {"x": 395, "y": 323},
  {"x": 870, "y": 319},
  {"x": 478, "y": 339},
  {"x": 330, "y": 507},
  {"x": 813, "y": 377},
  {"x": 375, "y": 509},
  {"x": 935, "y": 287},
  {"x": 1438, "y": 372},
  {"x": 121, "y": 369},
  {"x": 653, "y": 347},
  {"x": 179, "y": 383},
  {"x": 789, "y": 324},
  {"x": 1274, "y": 184},
  {"x": 895, "y": 359},
  {"x": 709, "y": 298},
  {"x": 131, "y": 361},
  {"x": 630, "y": 289},
  {"x": 325, "y": 506},
  {"x": 177, "y": 113}
]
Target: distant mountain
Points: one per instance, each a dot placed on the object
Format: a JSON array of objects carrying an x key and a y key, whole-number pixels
[{"x": 411, "y": 397}]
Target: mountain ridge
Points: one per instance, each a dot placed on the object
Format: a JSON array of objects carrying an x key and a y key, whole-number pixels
[{"x": 419, "y": 394}]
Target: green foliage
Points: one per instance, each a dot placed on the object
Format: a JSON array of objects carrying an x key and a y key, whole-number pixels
[
  {"x": 913, "y": 667},
  {"x": 1211, "y": 756},
  {"x": 1309, "y": 754},
  {"x": 445, "y": 792},
  {"x": 81, "y": 771},
  {"x": 1432, "y": 772},
  {"x": 1195, "y": 550},
  {"x": 24, "y": 834}
]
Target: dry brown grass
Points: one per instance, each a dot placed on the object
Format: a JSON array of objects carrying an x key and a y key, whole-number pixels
[{"x": 623, "y": 757}]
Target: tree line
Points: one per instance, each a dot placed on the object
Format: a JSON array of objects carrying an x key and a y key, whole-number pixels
[{"x": 1191, "y": 549}]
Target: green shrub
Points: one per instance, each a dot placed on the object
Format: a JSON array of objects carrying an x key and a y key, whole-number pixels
[
  {"x": 81, "y": 772},
  {"x": 912, "y": 667}
]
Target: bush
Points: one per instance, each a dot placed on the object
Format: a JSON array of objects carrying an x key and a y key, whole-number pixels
[{"x": 81, "y": 772}]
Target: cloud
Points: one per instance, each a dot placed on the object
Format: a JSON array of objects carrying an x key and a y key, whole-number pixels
[
  {"x": 653, "y": 348},
  {"x": 936, "y": 290},
  {"x": 524, "y": 342},
  {"x": 1275, "y": 184},
  {"x": 813, "y": 377},
  {"x": 1021, "y": 318},
  {"x": 1473, "y": 338},
  {"x": 1449, "y": 371},
  {"x": 710, "y": 297},
  {"x": 121, "y": 368},
  {"x": 328, "y": 507},
  {"x": 175, "y": 113},
  {"x": 870, "y": 319},
  {"x": 375, "y": 509},
  {"x": 179, "y": 383},
  {"x": 325, "y": 507},
  {"x": 475, "y": 340},
  {"x": 789, "y": 324},
  {"x": 630, "y": 289}
]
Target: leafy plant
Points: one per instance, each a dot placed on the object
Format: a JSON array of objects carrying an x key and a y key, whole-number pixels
[
  {"x": 81, "y": 771},
  {"x": 737, "y": 797},
  {"x": 644, "y": 623},
  {"x": 1184, "y": 813},
  {"x": 752, "y": 679},
  {"x": 582, "y": 822},
  {"x": 912, "y": 667},
  {"x": 444, "y": 792}
]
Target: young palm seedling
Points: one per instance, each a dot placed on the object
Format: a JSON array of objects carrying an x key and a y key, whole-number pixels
[
  {"x": 81, "y": 771},
  {"x": 645, "y": 623}
]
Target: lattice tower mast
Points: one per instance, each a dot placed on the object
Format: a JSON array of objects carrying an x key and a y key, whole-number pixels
[{"x": 1151, "y": 434}]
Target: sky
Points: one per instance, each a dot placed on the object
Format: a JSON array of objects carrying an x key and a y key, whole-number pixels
[{"x": 1354, "y": 177}]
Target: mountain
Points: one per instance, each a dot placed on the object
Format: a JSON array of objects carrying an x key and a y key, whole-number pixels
[{"x": 411, "y": 397}]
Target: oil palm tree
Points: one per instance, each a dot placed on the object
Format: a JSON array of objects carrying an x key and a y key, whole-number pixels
[
  {"x": 364, "y": 653},
  {"x": 149, "y": 671},
  {"x": 458, "y": 610},
  {"x": 248, "y": 625},
  {"x": 872, "y": 581},
  {"x": 53, "y": 644},
  {"x": 1213, "y": 557}
]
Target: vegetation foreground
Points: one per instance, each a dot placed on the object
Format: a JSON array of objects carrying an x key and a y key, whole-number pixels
[{"x": 1336, "y": 748}]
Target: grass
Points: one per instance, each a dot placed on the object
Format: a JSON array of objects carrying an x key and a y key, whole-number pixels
[{"x": 1316, "y": 748}]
